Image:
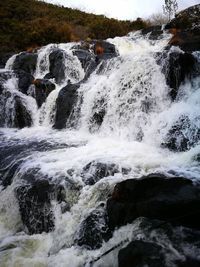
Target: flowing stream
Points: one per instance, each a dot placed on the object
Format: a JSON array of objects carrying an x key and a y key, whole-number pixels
[{"x": 131, "y": 91}]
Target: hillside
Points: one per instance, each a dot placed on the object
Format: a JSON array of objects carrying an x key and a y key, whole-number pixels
[{"x": 30, "y": 23}]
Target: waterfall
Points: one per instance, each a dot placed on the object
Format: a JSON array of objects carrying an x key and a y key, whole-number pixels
[{"x": 122, "y": 117}]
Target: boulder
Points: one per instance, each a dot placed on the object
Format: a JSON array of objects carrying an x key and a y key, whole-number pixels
[
  {"x": 103, "y": 50},
  {"x": 43, "y": 88},
  {"x": 25, "y": 62},
  {"x": 25, "y": 79},
  {"x": 141, "y": 253},
  {"x": 183, "y": 135},
  {"x": 56, "y": 66},
  {"x": 155, "y": 243},
  {"x": 35, "y": 204},
  {"x": 65, "y": 102},
  {"x": 185, "y": 29},
  {"x": 95, "y": 171},
  {"x": 156, "y": 197},
  {"x": 22, "y": 117},
  {"x": 93, "y": 230}
]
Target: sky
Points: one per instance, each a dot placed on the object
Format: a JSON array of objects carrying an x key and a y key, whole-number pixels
[{"x": 121, "y": 9}]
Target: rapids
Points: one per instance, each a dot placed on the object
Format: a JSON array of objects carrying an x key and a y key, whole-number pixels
[{"x": 130, "y": 91}]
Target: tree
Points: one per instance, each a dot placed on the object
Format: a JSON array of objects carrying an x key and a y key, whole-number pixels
[{"x": 170, "y": 7}]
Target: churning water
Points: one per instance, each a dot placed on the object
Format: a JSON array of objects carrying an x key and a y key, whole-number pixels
[{"x": 131, "y": 91}]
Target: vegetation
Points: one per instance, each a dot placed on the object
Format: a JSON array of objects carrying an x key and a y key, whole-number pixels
[
  {"x": 169, "y": 8},
  {"x": 25, "y": 24}
]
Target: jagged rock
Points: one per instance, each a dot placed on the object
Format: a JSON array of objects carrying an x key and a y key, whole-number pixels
[
  {"x": 183, "y": 135},
  {"x": 56, "y": 67},
  {"x": 152, "y": 243},
  {"x": 43, "y": 88},
  {"x": 35, "y": 204},
  {"x": 93, "y": 230},
  {"x": 25, "y": 62},
  {"x": 95, "y": 171},
  {"x": 185, "y": 29},
  {"x": 156, "y": 197},
  {"x": 64, "y": 104}
]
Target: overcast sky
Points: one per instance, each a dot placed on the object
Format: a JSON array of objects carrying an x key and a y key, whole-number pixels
[{"x": 121, "y": 9}]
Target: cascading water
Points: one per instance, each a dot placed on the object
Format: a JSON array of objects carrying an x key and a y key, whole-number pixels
[{"x": 123, "y": 114}]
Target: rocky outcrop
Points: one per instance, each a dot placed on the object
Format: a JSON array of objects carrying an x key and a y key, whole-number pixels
[
  {"x": 155, "y": 197},
  {"x": 22, "y": 117},
  {"x": 185, "y": 29},
  {"x": 103, "y": 50},
  {"x": 25, "y": 62},
  {"x": 25, "y": 79},
  {"x": 35, "y": 204},
  {"x": 43, "y": 88},
  {"x": 183, "y": 135},
  {"x": 64, "y": 104}
]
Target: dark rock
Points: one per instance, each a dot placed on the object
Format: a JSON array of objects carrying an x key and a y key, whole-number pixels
[
  {"x": 14, "y": 152},
  {"x": 26, "y": 62},
  {"x": 141, "y": 253},
  {"x": 95, "y": 171},
  {"x": 35, "y": 204},
  {"x": 156, "y": 243},
  {"x": 103, "y": 50},
  {"x": 4, "y": 58},
  {"x": 24, "y": 80},
  {"x": 180, "y": 66},
  {"x": 57, "y": 67},
  {"x": 156, "y": 197},
  {"x": 154, "y": 32},
  {"x": 43, "y": 88},
  {"x": 185, "y": 29},
  {"x": 22, "y": 116},
  {"x": 183, "y": 135},
  {"x": 93, "y": 230},
  {"x": 64, "y": 104}
]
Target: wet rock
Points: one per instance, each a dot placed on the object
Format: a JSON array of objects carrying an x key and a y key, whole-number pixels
[
  {"x": 24, "y": 80},
  {"x": 93, "y": 230},
  {"x": 65, "y": 102},
  {"x": 179, "y": 67},
  {"x": 185, "y": 29},
  {"x": 35, "y": 204},
  {"x": 43, "y": 88},
  {"x": 103, "y": 50},
  {"x": 140, "y": 253},
  {"x": 155, "y": 243},
  {"x": 56, "y": 67},
  {"x": 95, "y": 171},
  {"x": 156, "y": 197},
  {"x": 25, "y": 62},
  {"x": 183, "y": 135},
  {"x": 154, "y": 32},
  {"x": 22, "y": 116}
]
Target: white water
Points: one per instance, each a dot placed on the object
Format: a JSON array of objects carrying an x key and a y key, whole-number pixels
[{"x": 123, "y": 89}]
